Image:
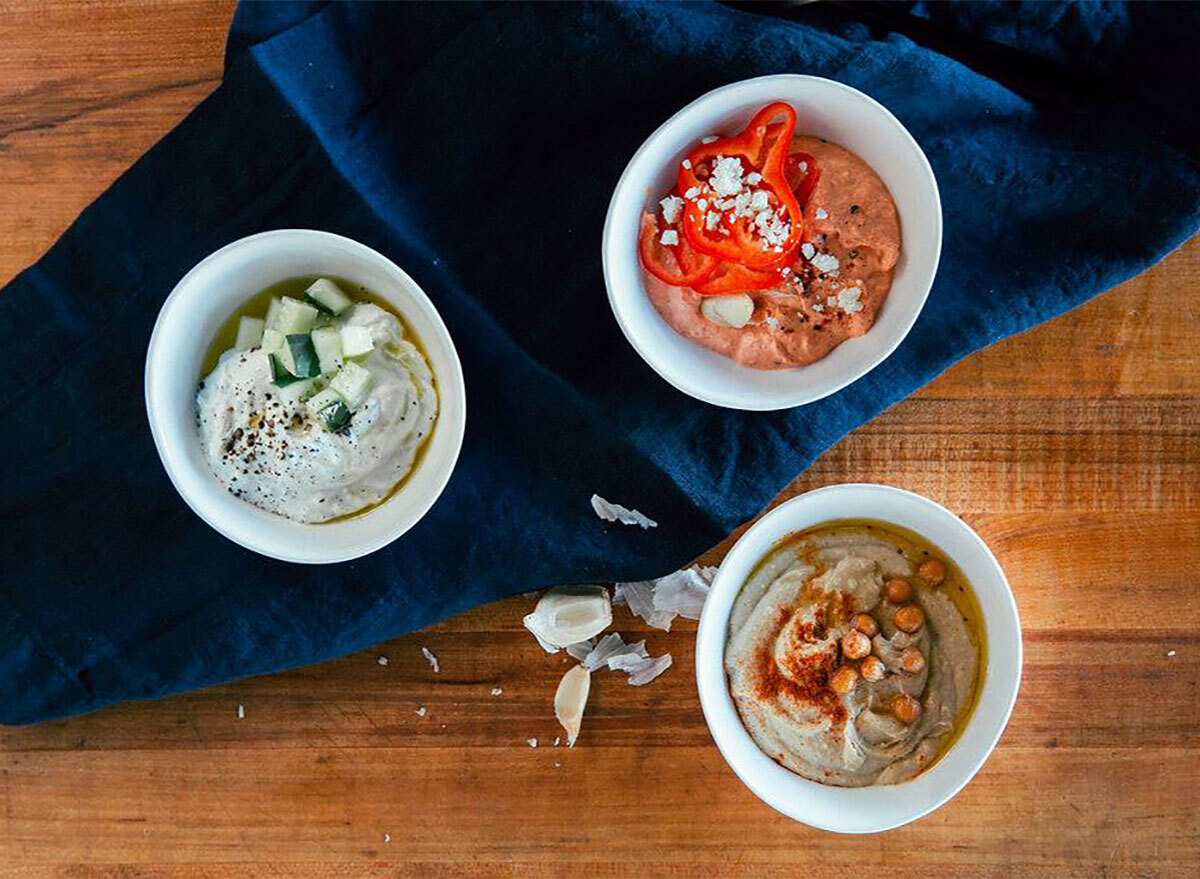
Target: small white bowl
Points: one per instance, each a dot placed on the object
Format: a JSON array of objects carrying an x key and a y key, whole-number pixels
[
  {"x": 200, "y": 303},
  {"x": 826, "y": 109},
  {"x": 881, "y": 807}
]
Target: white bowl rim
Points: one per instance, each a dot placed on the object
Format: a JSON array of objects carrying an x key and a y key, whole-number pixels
[
  {"x": 782, "y": 791},
  {"x": 801, "y": 397},
  {"x": 452, "y": 384}
]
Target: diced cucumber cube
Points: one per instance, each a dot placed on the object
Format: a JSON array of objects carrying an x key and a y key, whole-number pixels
[
  {"x": 330, "y": 410},
  {"x": 281, "y": 374},
  {"x": 296, "y": 390},
  {"x": 294, "y": 317},
  {"x": 353, "y": 382},
  {"x": 250, "y": 332},
  {"x": 328, "y": 342},
  {"x": 273, "y": 341},
  {"x": 273, "y": 311},
  {"x": 356, "y": 341},
  {"x": 327, "y": 296},
  {"x": 304, "y": 361}
]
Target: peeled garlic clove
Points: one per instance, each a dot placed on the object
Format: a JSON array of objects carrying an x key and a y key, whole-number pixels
[
  {"x": 567, "y": 615},
  {"x": 570, "y": 699},
  {"x": 733, "y": 310}
]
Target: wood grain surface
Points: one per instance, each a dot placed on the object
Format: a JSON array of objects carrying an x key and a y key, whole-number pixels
[{"x": 1073, "y": 449}]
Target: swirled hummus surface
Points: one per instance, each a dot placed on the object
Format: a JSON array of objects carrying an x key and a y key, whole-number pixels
[{"x": 807, "y": 689}]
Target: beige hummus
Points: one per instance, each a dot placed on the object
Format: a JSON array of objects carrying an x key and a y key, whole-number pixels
[
  {"x": 834, "y": 288},
  {"x": 788, "y": 638}
]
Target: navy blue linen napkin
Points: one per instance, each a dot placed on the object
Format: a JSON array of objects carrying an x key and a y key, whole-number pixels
[{"x": 478, "y": 145}]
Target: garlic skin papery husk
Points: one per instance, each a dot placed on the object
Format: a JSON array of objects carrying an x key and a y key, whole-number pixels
[
  {"x": 567, "y": 615},
  {"x": 570, "y": 700}
]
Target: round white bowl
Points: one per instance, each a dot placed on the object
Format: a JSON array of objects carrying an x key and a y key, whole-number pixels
[
  {"x": 882, "y": 807},
  {"x": 826, "y": 109},
  {"x": 200, "y": 303}
]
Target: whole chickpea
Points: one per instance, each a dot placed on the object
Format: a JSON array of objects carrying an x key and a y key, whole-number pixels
[
  {"x": 867, "y": 624},
  {"x": 855, "y": 645},
  {"x": 843, "y": 680},
  {"x": 906, "y": 708},
  {"x": 872, "y": 669},
  {"x": 909, "y": 618},
  {"x": 898, "y": 590},
  {"x": 932, "y": 571},
  {"x": 912, "y": 660}
]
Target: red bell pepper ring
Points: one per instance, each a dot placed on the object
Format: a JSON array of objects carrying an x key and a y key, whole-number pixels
[
  {"x": 762, "y": 147},
  {"x": 802, "y": 180},
  {"x": 732, "y": 277},
  {"x": 688, "y": 267}
]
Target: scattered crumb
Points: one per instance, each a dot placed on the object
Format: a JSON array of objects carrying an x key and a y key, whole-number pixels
[
  {"x": 382, "y": 660},
  {"x": 557, "y": 739},
  {"x": 387, "y": 837},
  {"x": 556, "y": 765},
  {"x": 822, "y": 214},
  {"x": 531, "y": 742},
  {"x": 1170, "y": 653},
  {"x": 241, "y": 712},
  {"x": 433, "y": 660},
  {"x": 421, "y": 712},
  {"x": 496, "y": 691}
]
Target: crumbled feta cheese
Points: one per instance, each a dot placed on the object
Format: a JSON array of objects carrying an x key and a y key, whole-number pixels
[
  {"x": 848, "y": 299},
  {"x": 557, "y": 739},
  {"x": 760, "y": 199},
  {"x": 692, "y": 193},
  {"x": 382, "y": 660},
  {"x": 752, "y": 178},
  {"x": 1170, "y": 653},
  {"x": 773, "y": 230},
  {"x": 671, "y": 206},
  {"x": 831, "y": 301},
  {"x": 773, "y": 323},
  {"x": 421, "y": 712},
  {"x": 531, "y": 742},
  {"x": 785, "y": 271},
  {"x": 711, "y": 220},
  {"x": 702, "y": 203},
  {"x": 387, "y": 838},
  {"x": 824, "y": 262},
  {"x": 804, "y": 166},
  {"x": 808, "y": 250},
  {"x": 822, "y": 214},
  {"x": 709, "y": 139},
  {"x": 496, "y": 691},
  {"x": 818, "y": 307},
  {"x": 241, "y": 712},
  {"x": 687, "y": 164},
  {"x": 669, "y": 237},
  {"x": 727, "y": 176}
]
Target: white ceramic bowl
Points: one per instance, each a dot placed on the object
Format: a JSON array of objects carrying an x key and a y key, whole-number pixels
[
  {"x": 826, "y": 109},
  {"x": 190, "y": 318},
  {"x": 864, "y": 809}
]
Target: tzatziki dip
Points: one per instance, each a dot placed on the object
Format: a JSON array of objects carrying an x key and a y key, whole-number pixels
[{"x": 321, "y": 406}]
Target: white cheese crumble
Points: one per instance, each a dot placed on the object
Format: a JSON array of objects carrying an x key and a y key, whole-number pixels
[
  {"x": 818, "y": 307},
  {"x": 808, "y": 250},
  {"x": 687, "y": 164},
  {"x": 785, "y": 271},
  {"x": 848, "y": 299},
  {"x": 804, "y": 166},
  {"x": 692, "y": 193},
  {"x": 760, "y": 200},
  {"x": 752, "y": 178},
  {"x": 382, "y": 660},
  {"x": 702, "y": 203},
  {"x": 671, "y": 206},
  {"x": 421, "y": 712},
  {"x": 531, "y": 742},
  {"x": 496, "y": 691},
  {"x": 727, "y": 176},
  {"x": 711, "y": 220},
  {"x": 824, "y": 262},
  {"x": 669, "y": 237},
  {"x": 831, "y": 301},
  {"x": 822, "y": 214},
  {"x": 241, "y": 712}
]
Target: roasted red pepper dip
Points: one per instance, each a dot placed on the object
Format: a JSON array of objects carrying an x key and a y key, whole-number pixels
[{"x": 771, "y": 249}]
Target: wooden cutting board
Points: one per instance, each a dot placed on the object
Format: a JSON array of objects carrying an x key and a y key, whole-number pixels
[{"x": 1074, "y": 449}]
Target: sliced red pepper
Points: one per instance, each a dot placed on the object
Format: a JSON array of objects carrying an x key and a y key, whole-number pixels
[
  {"x": 688, "y": 267},
  {"x": 732, "y": 277},
  {"x": 802, "y": 181},
  {"x": 762, "y": 147}
]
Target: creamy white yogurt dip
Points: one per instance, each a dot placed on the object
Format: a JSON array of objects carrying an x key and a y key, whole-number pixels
[
  {"x": 269, "y": 446},
  {"x": 849, "y": 656}
]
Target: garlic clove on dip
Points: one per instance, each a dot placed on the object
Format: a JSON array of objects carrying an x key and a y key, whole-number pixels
[
  {"x": 733, "y": 310},
  {"x": 567, "y": 615},
  {"x": 570, "y": 699}
]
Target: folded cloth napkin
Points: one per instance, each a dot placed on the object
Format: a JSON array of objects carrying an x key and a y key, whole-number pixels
[{"x": 478, "y": 145}]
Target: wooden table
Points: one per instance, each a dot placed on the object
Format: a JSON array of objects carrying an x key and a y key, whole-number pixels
[{"x": 1073, "y": 449}]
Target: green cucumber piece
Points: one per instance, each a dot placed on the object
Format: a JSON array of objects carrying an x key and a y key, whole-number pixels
[
  {"x": 328, "y": 343},
  {"x": 294, "y": 317},
  {"x": 330, "y": 410},
  {"x": 281, "y": 376},
  {"x": 250, "y": 333},
  {"x": 273, "y": 341},
  {"x": 296, "y": 390},
  {"x": 356, "y": 341},
  {"x": 273, "y": 311},
  {"x": 327, "y": 296},
  {"x": 353, "y": 382},
  {"x": 305, "y": 363}
]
